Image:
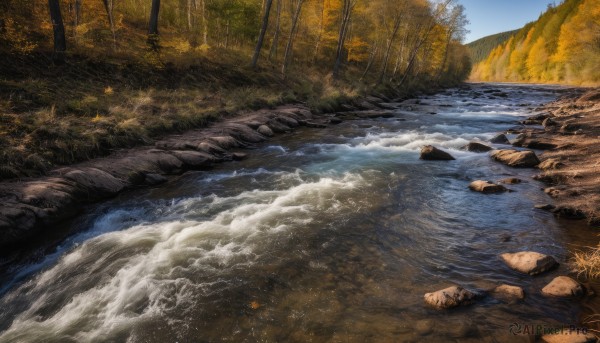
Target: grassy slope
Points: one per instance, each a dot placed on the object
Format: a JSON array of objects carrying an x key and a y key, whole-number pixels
[
  {"x": 57, "y": 115},
  {"x": 481, "y": 48}
]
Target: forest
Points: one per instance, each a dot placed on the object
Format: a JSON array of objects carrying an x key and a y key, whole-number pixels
[
  {"x": 562, "y": 46},
  {"x": 81, "y": 77},
  {"x": 481, "y": 48}
]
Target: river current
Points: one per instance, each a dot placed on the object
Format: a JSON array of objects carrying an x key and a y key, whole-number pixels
[{"x": 321, "y": 235}]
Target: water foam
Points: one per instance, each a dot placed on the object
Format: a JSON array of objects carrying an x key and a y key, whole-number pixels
[{"x": 129, "y": 277}]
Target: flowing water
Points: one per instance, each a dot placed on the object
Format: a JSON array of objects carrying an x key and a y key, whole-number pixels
[{"x": 321, "y": 235}]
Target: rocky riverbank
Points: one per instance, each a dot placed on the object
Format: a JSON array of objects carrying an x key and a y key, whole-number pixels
[
  {"x": 30, "y": 206},
  {"x": 568, "y": 130}
]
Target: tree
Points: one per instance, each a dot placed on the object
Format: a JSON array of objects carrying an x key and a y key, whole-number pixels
[
  {"x": 108, "y": 5},
  {"x": 347, "y": 6},
  {"x": 290, "y": 42},
  {"x": 60, "y": 42},
  {"x": 263, "y": 31},
  {"x": 153, "y": 25}
]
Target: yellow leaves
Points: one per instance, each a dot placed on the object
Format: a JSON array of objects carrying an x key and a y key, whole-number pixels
[
  {"x": 180, "y": 45},
  {"x": 540, "y": 56},
  {"x": 108, "y": 90},
  {"x": 254, "y": 305},
  {"x": 537, "y": 60},
  {"x": 15, "y": 37},
  {"x": 358, "y": 50}
]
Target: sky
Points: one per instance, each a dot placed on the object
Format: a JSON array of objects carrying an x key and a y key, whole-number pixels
[{"x": 488, "y": 17}]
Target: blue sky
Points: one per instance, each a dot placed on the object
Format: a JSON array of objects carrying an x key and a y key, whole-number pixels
[{"x": 493, "y": 16}]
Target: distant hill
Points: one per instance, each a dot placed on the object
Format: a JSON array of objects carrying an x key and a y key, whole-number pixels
[
  {"x": 481, "y": 48},
  {"x": 562, "y": 46}
]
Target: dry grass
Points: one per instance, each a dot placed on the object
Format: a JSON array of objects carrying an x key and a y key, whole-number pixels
[{"x": 587, "y": 262}]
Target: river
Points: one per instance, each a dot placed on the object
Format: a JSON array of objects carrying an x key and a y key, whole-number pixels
[{"x": 320, "y": 235}]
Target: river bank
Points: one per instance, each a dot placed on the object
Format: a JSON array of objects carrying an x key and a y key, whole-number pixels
[
  {"x": 568, "y": 129},
  {"x": 32, "y": 205}
]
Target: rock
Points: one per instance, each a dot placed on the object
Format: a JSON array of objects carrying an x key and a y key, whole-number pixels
[
  {"x": 154, "y": 179},
  {"x": 335, "y": 121},
  {"x": 545, "y": 207},
  {"x": 568, "y": 212},
  {"x": 550, "y": 163},
  {"x": 500, "y": 139},
  {"x": 549, "y": 122},
  {"x": 517, "y": 159},
  {"x": 563, "y": 286},
  {"x": 511, "y": 181},
  {"x": 265, "y": 131},
  {"x": 225, "y": 142},
  {"x": 424, "y": 327},
  {"x": 238, "y": 156},
  {"x": 277, "y": 126},
  {"x": 486, "y": 187},
  {"x": 365, "y": 105},
  {"x": 448, "y": 298},
  {"x": 529, "y": 262},
  {"x": 431, "y": 153},
  {"x": 477, "y": 147},
  {"x": 194, "y": 159},
  {"x": 313, "y": 124},
  {"x": 538, "y": 144},
  {"x": 95, "y": 181},
  {"x": 508, "y": 292},
  {"x": 287, "y": 120},
  {"x": 568, "y": 336}
]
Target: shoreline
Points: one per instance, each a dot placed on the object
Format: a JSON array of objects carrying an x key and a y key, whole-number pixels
[
  {"x": 29, "y": 206},
  {"x": 568, "y": 133}
]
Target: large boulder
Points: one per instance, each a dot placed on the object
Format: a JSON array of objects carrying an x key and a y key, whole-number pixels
[
  {"x": 450, "y": 297},
  {"x": 529, "y": 262},
  {"x": 486, "y": 187},
  {"x": 515, "y": 158},
  {"x": 431, "y": 153},
  {"x": 265, "y": 131},
  {"x": 563, "y": 286},
  {"x": 477, "y": 147}
]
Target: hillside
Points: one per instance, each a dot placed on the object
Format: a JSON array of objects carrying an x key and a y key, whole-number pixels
[
  {"x": 562, "y": 46},
  {"x": 481, "y": 48}
]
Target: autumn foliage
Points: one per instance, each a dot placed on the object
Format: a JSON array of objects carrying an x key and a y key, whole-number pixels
[
  {"x": 359, "y": 36},
  {"x": 562, "y": 46}
]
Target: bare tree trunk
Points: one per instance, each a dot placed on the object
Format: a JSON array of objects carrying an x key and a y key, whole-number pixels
[
  {"x": 153, "y": 24},
  {"x": 227, "y": 34},
  {"x": 60, "y": 42},
  {"x": 189, "y": 14},
  {"x": 371, "y": 60},
  {"x": 348, "y": 5},
  {"x": 275, "y": 42},
  {"x": 290, "y": 43},
  {"x": 263, "y": 31},
  {"x": 204, "y": 24},
  {"x": 386, "y": 57},
  {"x": 108, "y": 5},
  {"x": 77, "y": 17},
  {"x": 321, "y": 29}
]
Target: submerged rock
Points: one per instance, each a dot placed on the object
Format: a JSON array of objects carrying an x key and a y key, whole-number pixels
[
  {"x": 431, "y": 153},
  {"x": 486, "y": 187},
  {"x": 563, "y": 286},
  {"x": 500, "y": 139},
  {"x": 508, "y": 292},
  {"x": 450, "y": 297},
  {"x": 529, "y": 262},
  {"x": 477, "y": 147},
  {"x": 511, "y": 181},
  {"x": 517, "y": 159}
]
